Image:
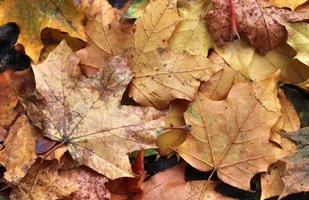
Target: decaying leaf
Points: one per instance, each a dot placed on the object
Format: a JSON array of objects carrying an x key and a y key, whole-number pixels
[
  {"x": 171, "y": 184},
  {"x": 295, "y": 176},
  {"x": 227, "y": 135},
  {"x": 19, "y": 154},
  {"x": 104, "y": 32},
  {"x": 241, "y": 57},
  {"x": 86, "y": 115},
  {"x": 298, "y": 38},
  {"x": 260, "y": 25},
  {"x": 191, "y": 34},
  {"x": 33, "y": 16}
]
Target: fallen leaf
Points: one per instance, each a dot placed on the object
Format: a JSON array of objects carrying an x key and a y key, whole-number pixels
[
  {"x": 295, "y": 176},
  {"x": 241, "y": 57},
  {"x": 298, "y": 38},
  {"x": 161, "y": 76},
  {"x": 104, "y": 32},
  {"x": 19, "y": 154},
  {"x": 286, "y": 3},
  {"x": 86, "y": 115},
  {"x": 171, "y": 184},
  {"x": 33, "y": 17},
  {"x": 291, "y": 122},
  {"x": 219, "y": 85},
  {"x": 191, "y": 35},
  {"x": 227, "y": 135},
  {"x": 271, "y": 182},
  {"x": 261, "y": 26},
  {"x": 136, "y": 9},
  {"x": 173, "y": 137}
]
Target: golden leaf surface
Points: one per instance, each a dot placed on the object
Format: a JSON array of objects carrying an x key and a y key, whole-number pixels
[
  {"x": 241, "y": 57},
  {"x": 104, "y": 31},
  {"x": 298, "y": 38},
  {"x": 227, "y": 135},
  {"x": 191, "y": 34},
  {"x": 86, "y": 114},
  {"x": 286, "y": 3},
  {"x": 33, "y": 16},
  {"x": 19, "y": 154}
]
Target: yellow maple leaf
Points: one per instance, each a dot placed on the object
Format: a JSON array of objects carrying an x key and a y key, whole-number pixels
[
  {"x": 286, "y": 3},
  {"x": 86, "y": 115},
  {"x": 191, "y": 34},
  {"x": 227, "y": 135},
  {"x": 33, "y": 16},
  {"x": 241, "y": 57}
]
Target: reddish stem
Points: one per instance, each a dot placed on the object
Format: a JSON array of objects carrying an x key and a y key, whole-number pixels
[{"x": 234, "y": 32}]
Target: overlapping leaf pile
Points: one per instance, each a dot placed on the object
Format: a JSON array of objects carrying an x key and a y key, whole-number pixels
[{"x": 205, "y": 75}]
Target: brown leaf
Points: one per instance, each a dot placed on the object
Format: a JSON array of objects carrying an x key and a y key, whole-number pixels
[
  {"x": 86, "y": 115},
  {"x": 170, "y": 184},
  {"x": 260, "y": 25},
  {"x": 19, "y": 154},
  {"x": 295, "y": 176},
  {"x": 227, "y": 135}
]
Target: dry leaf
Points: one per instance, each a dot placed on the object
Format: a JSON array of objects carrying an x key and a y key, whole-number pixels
[
  {"x": 104, "y": 33},
  {"x": 295, "y": 176},
  {"x": 241, "y": 57},
  {"x": 174, "y": 119},
  {"x": 219, "y": 85},
  {"x": 191, "y": 34},
  {"x": 86, "y": 115},
  {"x": 260, "y": 25},
  {"x": 227, "y": 135},
  {"x": 286, "y": 3},
  {"x": 161, "y": 76},
  {"x": 271, "y": 182},
  {"x": 33, "y": 16},
  {"x": 170, "y": 184},
  {"x": 298, "y": 38},
  {"x": 19, "y": 154}
]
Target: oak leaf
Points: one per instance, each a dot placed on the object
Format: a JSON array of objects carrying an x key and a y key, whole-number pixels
[
  {"x": 191, "y": 34},
  {"x": 171, "y": 184},
  {"x": 86, "y": 115},
  {"x": 260, "y": 25},
  {"x": 227, "y": 135},
  {"x": 33, "y": 16},
  {"x": 19, "y": 154}
]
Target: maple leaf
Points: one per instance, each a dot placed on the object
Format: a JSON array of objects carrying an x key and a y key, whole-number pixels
[
  {"x": 86, "y": 115},
  {"x": 299, "y": 39},
  {"x": 171, "y": 184},
  {"x": 191, "y": 34},
  {"x": 295, "y": 176},
  {"x": 33, "y": 16},
  {"x": 106, "y": 35},
  {"x": 241, "y": 57},
  {"x": 260, "y": 25},
  {"x": 286, "y": 3},
  {"x": 61, "y": 180},
  {"x": 227, "y": 135},
  {"x": 19, "y": 154}
]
